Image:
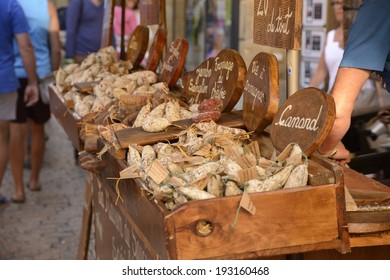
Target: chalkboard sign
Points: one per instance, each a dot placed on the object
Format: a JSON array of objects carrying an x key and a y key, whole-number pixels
[
  {"x": 305, "y": 118},
  {"x": 107, "y": 23},
  {"x": 278, "y": 23},
  {"x": 137, "y": 45},
  {"x": 261, "y": 92},
  {"x": 149, "y": 12},
  {"x": 173, "y": 64}
]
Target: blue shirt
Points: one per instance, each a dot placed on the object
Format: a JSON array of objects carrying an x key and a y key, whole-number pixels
[
  {"x": 368, "y": 45},
  {"x": 84, "y": 24},
  {"x": 12, "y": 22},
  {"x": 37, "y": 14}
]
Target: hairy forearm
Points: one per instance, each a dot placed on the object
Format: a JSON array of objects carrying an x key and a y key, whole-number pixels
[
  {"x": 345, "y": 91},
  {"x": 27, "y": 54},
  {"x": 55, "y": 50}
]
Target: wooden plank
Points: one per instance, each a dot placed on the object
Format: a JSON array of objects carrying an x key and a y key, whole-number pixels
[
  {"x": 138, "y": 136},
  {"x": 358, "y": 181},
  {"x": 372, "y": 240},
  {"x": 108, "y": 19},
  {"x": 301, "y": 216},
  {"x": 350, "y": 204},
  {"x": 137, "y": 221},
  {"x": 362, "y": 196},
  {"x": 319, "y": 175},
  {"x": 366, "y": 253},
  {"x": 368, "y": 222},
  {"x": 365, "y": 190},
  {"x": 280, "y": 253}
]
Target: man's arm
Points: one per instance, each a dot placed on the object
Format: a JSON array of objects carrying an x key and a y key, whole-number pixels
[
  {"x": 345, "y": 91},
  {"x": 54, "y": 37},
  {"x": 27, "y": 54}
]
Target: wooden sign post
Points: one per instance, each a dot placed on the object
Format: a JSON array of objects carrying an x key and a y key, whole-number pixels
[
  {"x": 261, "y": 92},
  {"x": 173, "y": 63},
  {"x": 227, "y": 78},
  {"x": 278, "y": 23},
  {"x": 156, "y": 49},
  {"x": 196, "y": 83},
  {"x": 305, "y": 118},
  {"x": 219, "y": 77},
  {"x": 137, "y": 45},
  {"x": 107, "y": 23}
]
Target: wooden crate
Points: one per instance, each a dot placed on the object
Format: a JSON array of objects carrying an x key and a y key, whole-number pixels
[
  {"x": 286, "y": 221},
  {"x": 65, "y": 118}
]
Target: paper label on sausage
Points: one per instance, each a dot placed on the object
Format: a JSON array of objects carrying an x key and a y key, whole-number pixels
[
  {"x": 157, "y": 172},
  {"x": 247, "y": 174},
  {"x": 254, "y": 149}
]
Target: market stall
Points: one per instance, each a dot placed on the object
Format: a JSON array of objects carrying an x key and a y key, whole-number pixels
[{"x": 142, "y": 209}]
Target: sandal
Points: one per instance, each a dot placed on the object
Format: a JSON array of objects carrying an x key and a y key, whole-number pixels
[
  {"x": 36, "y": 189},
  {"x": 4, "y": 199},
  {"x": 18, "y": 200}
]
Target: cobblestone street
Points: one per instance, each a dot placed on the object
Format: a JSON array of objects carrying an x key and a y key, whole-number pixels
[{"x": 47, "y": 226}]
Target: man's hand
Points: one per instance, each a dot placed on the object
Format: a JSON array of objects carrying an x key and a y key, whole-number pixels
[
  {"x": 342, "y": 156},
  {"x": 31, "y": 95}
]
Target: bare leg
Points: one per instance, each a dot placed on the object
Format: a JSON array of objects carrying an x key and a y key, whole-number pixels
[
  {"x": 4, "y": 126},
  {"x": 27, "y": 151},
  {"x": 37, "y": 153},
  {"x": 17, "y": 147}
]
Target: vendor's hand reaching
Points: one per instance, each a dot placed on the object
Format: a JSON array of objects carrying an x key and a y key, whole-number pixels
[{"x": 342, "y": 156}]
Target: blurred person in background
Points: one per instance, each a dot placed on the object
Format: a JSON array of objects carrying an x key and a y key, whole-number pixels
[
  {"x": 330, "y": 60},
  {"x": 14, "y": 25},
  {"x": 131, "y": 22},
  {"x": 44, "y": 35},
  {"x": 84, "y": 24}
]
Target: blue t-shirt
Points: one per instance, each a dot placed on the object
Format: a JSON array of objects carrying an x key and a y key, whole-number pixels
[
  {"x": 84, "y": 24},
  {"x": 12, "y": 22},
  {"x": 368, "y": 45},
  {"x": 38, "y": 17}
]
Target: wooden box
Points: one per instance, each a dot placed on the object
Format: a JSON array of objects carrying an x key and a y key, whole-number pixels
[
  {"x": 65, "y": 117},
  {"x": 130, "y": 224}
]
